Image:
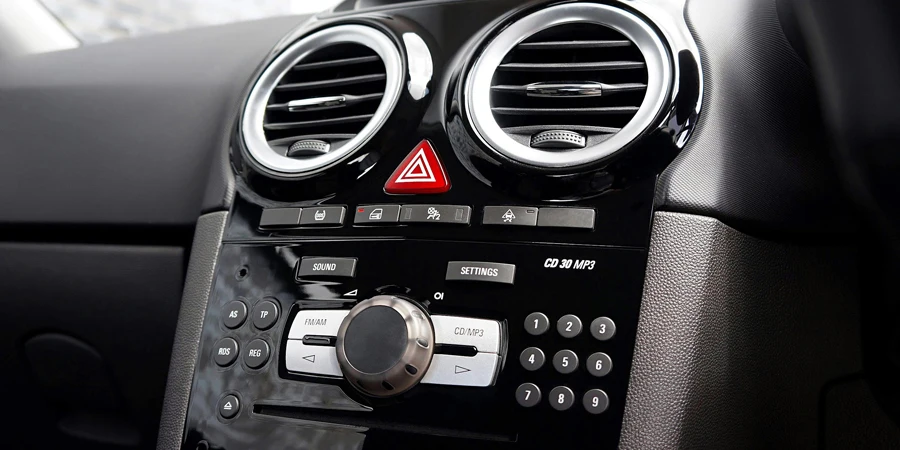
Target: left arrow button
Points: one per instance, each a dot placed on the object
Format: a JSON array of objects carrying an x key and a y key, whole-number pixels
[{"x": 311, "y": 359}]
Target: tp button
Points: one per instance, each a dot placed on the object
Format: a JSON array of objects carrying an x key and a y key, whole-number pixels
[{"x": 265, "y": 314}]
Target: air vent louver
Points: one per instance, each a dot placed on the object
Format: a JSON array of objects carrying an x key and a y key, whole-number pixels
[
  {"x": 582, "y": 78},
  {"x": 321, "y": 99},
  {"x": 568, "y": 85}
]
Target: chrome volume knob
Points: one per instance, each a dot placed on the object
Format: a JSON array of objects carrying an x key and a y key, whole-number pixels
[{"x": 385, "y": 345}]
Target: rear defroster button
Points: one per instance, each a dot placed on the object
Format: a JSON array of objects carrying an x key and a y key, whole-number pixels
[{"x": 481, "y": 271}]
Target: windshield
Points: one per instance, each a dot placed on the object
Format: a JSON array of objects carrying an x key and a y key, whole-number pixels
[{"x": 95, "y": 21}]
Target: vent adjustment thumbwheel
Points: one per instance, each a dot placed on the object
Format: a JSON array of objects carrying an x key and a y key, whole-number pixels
[{"x": 385, "y": 345}]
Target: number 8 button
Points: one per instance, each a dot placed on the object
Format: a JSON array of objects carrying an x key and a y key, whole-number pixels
[{"x": 561, "y": 398}]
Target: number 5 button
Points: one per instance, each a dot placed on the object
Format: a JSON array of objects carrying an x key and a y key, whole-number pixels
[
  {"x": 599, "y": 364},
  {"x": 565, "y": 361}
]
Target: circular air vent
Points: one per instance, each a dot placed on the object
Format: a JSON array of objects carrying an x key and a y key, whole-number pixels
[
  {"x": 568, "y": 85},
  {"x": 321, "y": 99}
]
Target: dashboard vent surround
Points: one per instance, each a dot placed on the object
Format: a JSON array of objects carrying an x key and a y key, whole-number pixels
[
  {"x": 568, "y": 85},
  {"x": 320, "y": 100}
]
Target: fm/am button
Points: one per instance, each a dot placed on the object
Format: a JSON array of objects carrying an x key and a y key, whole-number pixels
[{"x": 481, "y": 271}]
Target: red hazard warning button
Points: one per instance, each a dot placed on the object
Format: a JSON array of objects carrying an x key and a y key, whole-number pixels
[{"x": 421, "y": 172}]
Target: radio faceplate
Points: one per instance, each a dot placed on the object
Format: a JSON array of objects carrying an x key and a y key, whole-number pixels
[{"x": 580, "y": 282}]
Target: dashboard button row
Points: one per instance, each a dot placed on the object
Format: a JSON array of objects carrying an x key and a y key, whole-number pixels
[
  {"x": 424, "y": 213},
  {"x": 338, "y": 267},
  {"x": 569, "y": 326},
  {"x": 264, "y": 314},
  {"x": 256, "y": 353},
  {"x": 529, "y": 216},
  {"x": 314, "y": 216},
  {"x": 561, "y": 398},
  {"x": 599, "y": 364}
]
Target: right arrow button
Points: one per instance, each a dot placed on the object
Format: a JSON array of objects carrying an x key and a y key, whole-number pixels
[{"x": 479, "y": 370}]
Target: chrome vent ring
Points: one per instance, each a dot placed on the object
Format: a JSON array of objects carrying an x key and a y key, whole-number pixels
[
  {"x": 581, "y": 90},
  {"x": 331, "y": 97}
]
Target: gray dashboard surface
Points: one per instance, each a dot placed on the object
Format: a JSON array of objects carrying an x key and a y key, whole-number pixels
[
  {"x": 125, "y": 133},
  {"x": 759, "y": 158},
  {"x": 738, "y": 337}
]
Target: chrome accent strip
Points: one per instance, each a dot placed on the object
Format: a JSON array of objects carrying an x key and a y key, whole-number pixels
[
  {"x": 583, "y": 89},
  {"x": 478, "y": 82},
  {"x": 421, "y": 65},
  {"x": 258, "y": 150},
  {"x": 312, "y": 104}
]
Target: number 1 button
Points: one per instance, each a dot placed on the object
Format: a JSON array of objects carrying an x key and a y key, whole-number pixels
[{"x": 537, "y": 324}]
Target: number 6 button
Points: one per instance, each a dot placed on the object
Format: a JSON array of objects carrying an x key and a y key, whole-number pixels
[{"x": 599, "y": 364}]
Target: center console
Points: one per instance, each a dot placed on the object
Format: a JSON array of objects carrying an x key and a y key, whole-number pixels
[{"x": 440, "y": 226}]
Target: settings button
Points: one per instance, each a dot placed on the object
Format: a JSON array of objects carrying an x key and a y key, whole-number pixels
[{"x": 481, "y": 271}]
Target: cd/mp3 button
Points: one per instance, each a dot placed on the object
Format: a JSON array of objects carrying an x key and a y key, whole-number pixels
[
  {"x": 481, "y": 271},
  {"x": 483, "y": 334}
]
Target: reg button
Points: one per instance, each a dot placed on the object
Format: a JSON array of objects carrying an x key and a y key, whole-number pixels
[{"x": 481, "y": 271}]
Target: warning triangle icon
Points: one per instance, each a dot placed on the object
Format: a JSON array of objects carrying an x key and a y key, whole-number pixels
[{"x": 421, "y": 172}]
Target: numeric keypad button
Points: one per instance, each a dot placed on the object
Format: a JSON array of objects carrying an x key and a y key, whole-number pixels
[
  {"x": 603, "y": 328},
  {"x": 561, "y": 398},
  {"x": 599, "y": 364},
  {"x": 569, "y": 326},
  {"x": 528, "y": 395},
  {"x": 595, "y": 401},
  {"x": 532, "y": 358},
  {"x": 565, "y": 361},
  {"x": 537, "y": 324}
]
